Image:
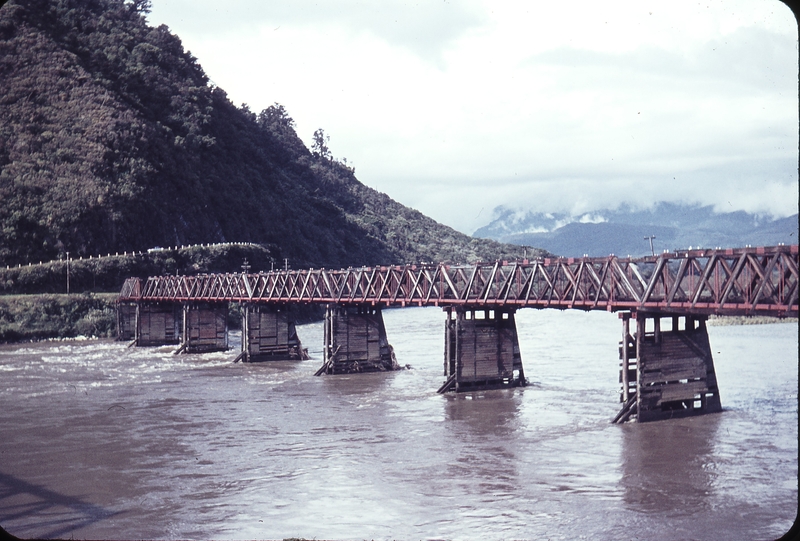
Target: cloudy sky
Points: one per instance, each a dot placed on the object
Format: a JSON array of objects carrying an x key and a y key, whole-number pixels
[{"x": 455, "y": 107}]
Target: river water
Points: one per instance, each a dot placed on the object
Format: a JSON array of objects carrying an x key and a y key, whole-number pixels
[{"x": 101, "y": 441}]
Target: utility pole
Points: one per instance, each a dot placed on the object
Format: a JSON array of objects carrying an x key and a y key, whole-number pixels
[
  {"x": 651, "y": 237},
  {"x": 245, "y": 266},
  {"x": 67, "y": 273},
  {"x": 285, "y": 264}
]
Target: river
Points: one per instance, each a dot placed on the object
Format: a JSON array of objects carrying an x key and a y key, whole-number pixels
[{"x": 98, "y": 440}]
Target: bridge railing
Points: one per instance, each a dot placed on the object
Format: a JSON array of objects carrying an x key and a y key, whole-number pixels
[{"x": 748, "y": 281}]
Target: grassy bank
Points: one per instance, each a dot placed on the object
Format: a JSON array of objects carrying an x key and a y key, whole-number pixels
[{"x": 37, "y": 317}]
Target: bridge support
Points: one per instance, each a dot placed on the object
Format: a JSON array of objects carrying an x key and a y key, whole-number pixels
[
  {"x": 355, "y": 341},
  {"x": 269, "y": 334},
  {"x": 157, "y": 324},
  {"x": 205, "y": 328},
  {"x": 126, "y": 321},
  {"x": 481, "y": 350},
  {"x": 666, "y": 374}
]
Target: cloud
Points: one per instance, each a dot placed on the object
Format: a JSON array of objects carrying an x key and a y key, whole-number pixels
[
  {"x": 451, "y": 107},
  {"x": 748, "y": 58},
  {"x": 423, "y": 27}
]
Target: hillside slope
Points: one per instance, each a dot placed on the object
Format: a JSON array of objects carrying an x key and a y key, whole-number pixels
[{"x": 113, "y": 139}]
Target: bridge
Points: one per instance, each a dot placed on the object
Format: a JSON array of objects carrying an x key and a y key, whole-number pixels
[{"x": 664, "y": 371}]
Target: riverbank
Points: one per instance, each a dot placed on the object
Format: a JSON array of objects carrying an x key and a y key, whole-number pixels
[
  {"x": 25, "y": 318},
  {"x": 722, "y": 321},
  {"x": 46, "y": 316}
]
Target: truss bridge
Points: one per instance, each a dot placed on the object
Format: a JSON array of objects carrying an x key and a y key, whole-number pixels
[{"x": 481, "y": 350}]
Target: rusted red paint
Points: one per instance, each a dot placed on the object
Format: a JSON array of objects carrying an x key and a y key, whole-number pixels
[{"x": 741, "y": 281}]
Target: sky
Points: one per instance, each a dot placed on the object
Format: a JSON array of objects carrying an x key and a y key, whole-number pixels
[{"x": 457, "y": 107}]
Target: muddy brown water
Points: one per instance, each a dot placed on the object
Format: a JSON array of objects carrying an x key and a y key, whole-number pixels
[{"x": 101, "y": 441}]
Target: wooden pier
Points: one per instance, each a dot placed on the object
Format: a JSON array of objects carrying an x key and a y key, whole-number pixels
[
  {"x": 269, "y": 334},
  {"x": 127, "y": 320},
  {"x": 205, "y": 328},
  {"x": 157, "y": 324},
  {"x": 355, "y": 341},
  {"x": 666, "y": 374},
  {"x": 481, "y": 350}
]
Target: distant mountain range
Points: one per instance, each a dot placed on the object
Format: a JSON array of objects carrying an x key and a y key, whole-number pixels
[{"x": 623, "y": 231}]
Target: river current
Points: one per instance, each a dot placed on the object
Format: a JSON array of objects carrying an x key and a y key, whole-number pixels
[{"x": 98, "y": 440}]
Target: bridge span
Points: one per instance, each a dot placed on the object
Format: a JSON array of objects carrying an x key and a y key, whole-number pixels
[{"x": 665, "y": 371}]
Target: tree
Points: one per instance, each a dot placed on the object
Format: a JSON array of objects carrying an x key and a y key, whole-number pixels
[
  {"x": 320, "y": 147},
  {"x": 276, "y": 115},
  {"x": 140, "y": 6}
]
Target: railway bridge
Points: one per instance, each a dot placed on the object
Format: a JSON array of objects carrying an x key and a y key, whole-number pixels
[{"x": 666, "y": 366}]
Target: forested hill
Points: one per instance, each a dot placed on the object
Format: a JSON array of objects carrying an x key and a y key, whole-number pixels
[{"x": 113, "y": 139}]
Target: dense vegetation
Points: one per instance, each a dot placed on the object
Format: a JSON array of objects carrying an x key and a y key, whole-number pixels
[
  {"x": 107, "y": 273},
  {"x": 112, "y": 140},
  {"x": 30, "y": 317}
]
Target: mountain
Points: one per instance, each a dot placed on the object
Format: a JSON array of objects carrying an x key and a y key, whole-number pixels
[
  {"x": 113, "y": 139},
  {"x": 622, "y": 231}
]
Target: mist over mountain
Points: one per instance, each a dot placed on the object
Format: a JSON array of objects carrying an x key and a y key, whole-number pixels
[
  {"x": 112, "y": 138},
  {"x": 622, "y": 231}
]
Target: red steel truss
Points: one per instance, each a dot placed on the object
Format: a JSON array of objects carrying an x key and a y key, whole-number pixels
[{"x": 735, "y": 281}]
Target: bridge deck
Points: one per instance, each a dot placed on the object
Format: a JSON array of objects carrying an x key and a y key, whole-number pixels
[{"x": 733, "y": 281}]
